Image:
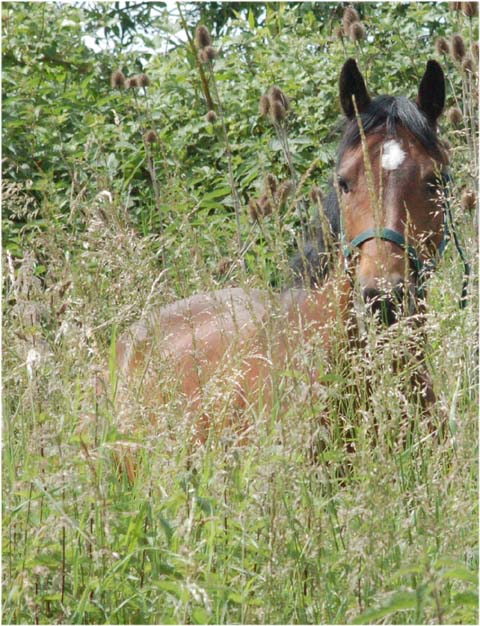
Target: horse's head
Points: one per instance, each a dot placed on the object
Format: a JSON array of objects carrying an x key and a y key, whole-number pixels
[{"x": 390, "y": 181}]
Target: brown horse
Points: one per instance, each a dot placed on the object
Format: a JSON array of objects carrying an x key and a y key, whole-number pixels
[{"x": 386, "y": 213}]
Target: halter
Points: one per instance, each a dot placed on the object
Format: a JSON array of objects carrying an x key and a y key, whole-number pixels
[{"x": 422, "y": 269}]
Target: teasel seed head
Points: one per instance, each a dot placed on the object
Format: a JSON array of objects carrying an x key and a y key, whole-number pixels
[
  {"x": 264, "y": 105},
  {"x": 211, "y": 116},
  {"x": 454, "y": 6},
  {"x": 475, "y": 52},
  {"x": 150, "y": 136},
  {"x": 131, "y": 83},
  {"x": 270, "y": 184},
  {"x": 222, "y": 266},
  {"x": 470, "y": 9},
  {"x": 210, "y": 53},
  {"x": 467, "y": 64},
  {"x": 202, "y": 37},
  {"x": 118, "y": 80},
  {"x": 442, "y": 46},
  {"x": 284, "y": 191},
  {"x": 253, "y": 209},
  {"x": 275, "y": 93},
  {"x": 357, "y": 31},
  {"x": 454, "y": 116},
  {"x": 143, "y": 80},
  {"x": 458, "y": 47},
  {"x": 338, "y": 32},
  {"x": 469, "y": 200},
  {"x": 277, "y": 111},
  {"x": 447, "y": 146},
  {"x": 265, "y": 205},
  {"x": 316, "y": 195},
  {"x": 350, "y": 16}
]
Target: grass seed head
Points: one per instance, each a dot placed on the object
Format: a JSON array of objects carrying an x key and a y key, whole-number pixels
[
  {"x": 357, "y": 31},
  {"x": 458, "y": 47},
  {"x": 442, "y": 46},
  {"x": 202, "y": 37},
  {"x": 117, "y": 80}
]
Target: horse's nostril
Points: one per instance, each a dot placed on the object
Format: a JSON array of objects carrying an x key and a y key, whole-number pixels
[
  {"x": 371, "y": 296},
  {"x": 384, "y": 306}
]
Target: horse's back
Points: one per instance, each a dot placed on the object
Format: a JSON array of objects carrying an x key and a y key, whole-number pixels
[{"x": 181, "y": 345}]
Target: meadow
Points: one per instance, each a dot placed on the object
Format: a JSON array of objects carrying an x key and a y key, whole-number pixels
[{"x": 103, "y": 221}]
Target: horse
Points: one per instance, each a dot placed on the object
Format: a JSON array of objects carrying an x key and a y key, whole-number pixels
[{"x": 387, "y": 220}]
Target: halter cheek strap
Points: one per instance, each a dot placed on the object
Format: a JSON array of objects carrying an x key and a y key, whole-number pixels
[{"x": 422, "y": 269}]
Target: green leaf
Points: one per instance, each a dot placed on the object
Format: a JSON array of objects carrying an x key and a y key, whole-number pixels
[{"x": 401, "y": 601}]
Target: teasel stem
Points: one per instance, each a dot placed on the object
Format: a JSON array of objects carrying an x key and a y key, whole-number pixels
[
  {"x": 191, "y": 43},
  {"x": 156, "y": 192},
  {"x": 300, "y": 204},
  {"x": 228, "y": 151}
]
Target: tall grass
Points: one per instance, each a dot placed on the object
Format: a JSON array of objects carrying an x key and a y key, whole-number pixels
[{"x": 290, "y": 527}]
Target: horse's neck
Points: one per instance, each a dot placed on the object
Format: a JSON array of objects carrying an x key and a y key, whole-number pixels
[{"x": 317, "y": 310}]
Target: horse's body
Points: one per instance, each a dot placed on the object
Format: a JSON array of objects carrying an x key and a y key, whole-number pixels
[{"x": 385, "y": 215}]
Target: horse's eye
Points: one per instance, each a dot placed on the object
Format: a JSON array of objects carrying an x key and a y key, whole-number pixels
[{"x": 343, "y": 184}]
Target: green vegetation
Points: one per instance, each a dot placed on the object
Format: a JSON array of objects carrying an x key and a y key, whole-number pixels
[{"x": 100, "y": 224}]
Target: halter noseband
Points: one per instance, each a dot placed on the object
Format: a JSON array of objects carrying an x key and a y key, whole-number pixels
[{"x": 422, "y": 269}]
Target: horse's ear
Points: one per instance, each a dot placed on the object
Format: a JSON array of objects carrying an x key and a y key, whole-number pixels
[
  {"x": 431, "y": 93},
  {"x": 352, "y": 84}
]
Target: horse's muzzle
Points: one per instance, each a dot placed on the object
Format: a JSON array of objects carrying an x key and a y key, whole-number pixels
[{"x": 386, "y": 306}]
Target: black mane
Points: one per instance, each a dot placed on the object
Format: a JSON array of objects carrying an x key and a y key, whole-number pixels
[{"x": 311, "y": 266}]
